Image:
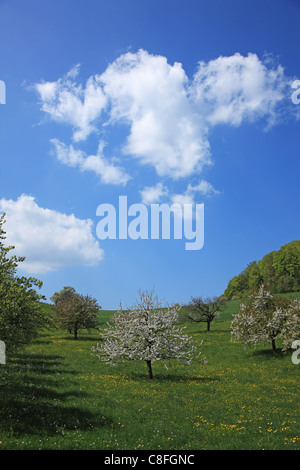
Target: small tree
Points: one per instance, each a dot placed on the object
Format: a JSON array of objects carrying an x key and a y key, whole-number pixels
[
  {"x": 264, "y": 318},
  {"x": 205, "y": 310},
  {"x": 146, "y": 332},
  {"x": 77, "y": 311}
]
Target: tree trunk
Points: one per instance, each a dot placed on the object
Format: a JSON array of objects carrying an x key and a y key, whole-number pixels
[
  {"x": 208, "y": 326},
  {"x": 75, "y": 332},
  {"x": 149, "y": 367},
  {"x": 273, "y": 345}
]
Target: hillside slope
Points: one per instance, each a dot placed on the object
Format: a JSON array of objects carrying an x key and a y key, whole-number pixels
[{"x": 278, "y": 270}]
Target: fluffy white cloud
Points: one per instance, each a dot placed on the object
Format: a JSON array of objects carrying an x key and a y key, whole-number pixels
[
  {"x": 151, "y": 96},
  {"x": 66, "y": 101},
  {"x": 49, "y": 239},
  {"x": 238, "y": 88},
  {"x": 108, "y": 172},
  {"x": 168, "y": 117}
]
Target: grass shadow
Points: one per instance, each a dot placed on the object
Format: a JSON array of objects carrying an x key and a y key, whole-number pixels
[
  {"x": 44, "y": 418},
  {"x": 38, "y": 399},
  {"x": 172, "y": 378},
  {"x": 80, "y": 338},
  {"x": 43, "y": 364},
  {"x": 269, "y": 354}
]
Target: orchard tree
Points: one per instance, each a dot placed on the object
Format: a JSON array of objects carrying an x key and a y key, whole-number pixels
[
  {"x": 265, "y": 318},
  {"x": 147, "y": 332},
  {"x": 290, "y": 331},
  {"x": 77, "y": 311},
  {"x": 21, "y": 315},
  {"x": 205, "y": 310},
  {"x": 63, "y": 294}
]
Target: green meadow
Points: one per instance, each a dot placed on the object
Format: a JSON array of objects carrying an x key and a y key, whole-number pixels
[{"x": 55, "y": 394}]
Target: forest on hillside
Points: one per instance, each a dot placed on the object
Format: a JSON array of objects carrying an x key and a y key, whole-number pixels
[{"x": 279, "y": 271}]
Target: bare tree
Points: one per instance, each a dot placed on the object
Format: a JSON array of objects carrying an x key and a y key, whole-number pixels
[{"x": 205, "y": 310}]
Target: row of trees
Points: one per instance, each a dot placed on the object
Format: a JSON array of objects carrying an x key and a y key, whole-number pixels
[
  {"x": 279, "y": 271},
  {"x": 75, "y": 311},
  {"x": 262, "y": 317},
  {"x": 148, "y": 331}
]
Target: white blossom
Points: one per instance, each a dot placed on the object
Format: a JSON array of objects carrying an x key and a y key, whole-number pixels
[
  {"x": 264, "y": 318},
  {"x": 148, "y": 331}
]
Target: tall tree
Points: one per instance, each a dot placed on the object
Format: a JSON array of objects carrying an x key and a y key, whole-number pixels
[{"x": 21, "y": 315}]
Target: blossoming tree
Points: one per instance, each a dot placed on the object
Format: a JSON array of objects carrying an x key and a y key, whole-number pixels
[
  {"x": 147, "y": 332},
  {"x": 264, "y": 318}
]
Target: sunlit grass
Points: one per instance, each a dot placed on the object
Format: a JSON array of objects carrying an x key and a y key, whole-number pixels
[{"x": 58, "y": 395}]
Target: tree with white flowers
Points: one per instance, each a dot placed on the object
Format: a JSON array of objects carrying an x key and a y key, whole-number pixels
[
  {"x": 291, "y": 327},
  {"x": 264, "y": 317},
  {"x": 148, "y": 332}
]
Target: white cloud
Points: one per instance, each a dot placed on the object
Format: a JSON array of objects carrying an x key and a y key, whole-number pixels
[
  {"x": 203, "y": 187},
  {"x": 188, "y": 197},
  {"x": 150, "y": 95},
  {"x": 238, "y": 88},
  {"x": 49, "y": 239},
  {"x": 181, "y": 199},
  {"x": 67, "y": 102},
  {"x": 153, "y": 194},
  {"x": 167, "y": 116},
  {"x": 108, "y": 172}
]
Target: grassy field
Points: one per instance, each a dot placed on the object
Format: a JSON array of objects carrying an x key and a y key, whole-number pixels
[{"x": 57, "y": 395}]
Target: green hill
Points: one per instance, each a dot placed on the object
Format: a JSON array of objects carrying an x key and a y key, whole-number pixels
[{"x": 278, "y": 270}]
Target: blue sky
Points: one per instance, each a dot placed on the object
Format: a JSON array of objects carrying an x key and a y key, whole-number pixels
[{"x": 189, "y": 98}]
